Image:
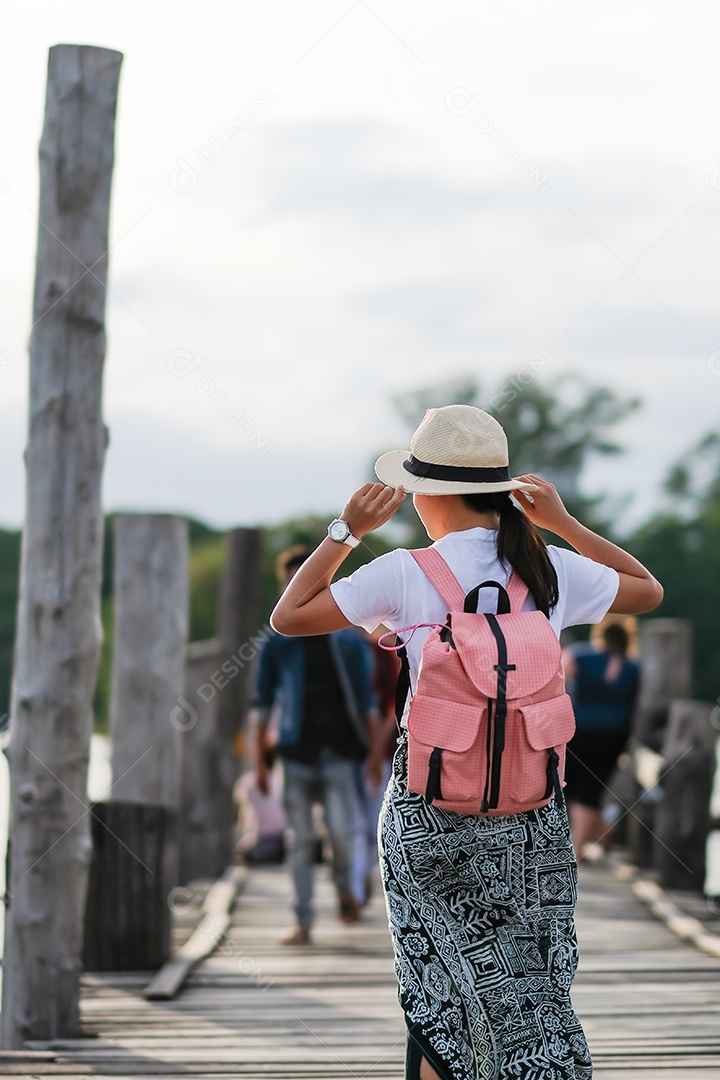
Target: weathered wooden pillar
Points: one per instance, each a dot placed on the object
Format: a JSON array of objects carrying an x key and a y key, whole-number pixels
[
  {"x": 196, "y": 718},
  {"x": 135, "y": 833},
  {"x": 682, "y": 817},
  {"x": 665, "y": 675},
  {"x": 711, "y": 884},
  {"x": 58, "y": 635},
  {"x": 240, "y": 634},
  {"x": 149, "y": 643}
]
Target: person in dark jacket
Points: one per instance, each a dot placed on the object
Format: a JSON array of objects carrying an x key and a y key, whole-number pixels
[{"x": 321, "y": 687}]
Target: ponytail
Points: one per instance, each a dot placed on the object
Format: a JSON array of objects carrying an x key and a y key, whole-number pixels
[{"x": 521, "y": 547}]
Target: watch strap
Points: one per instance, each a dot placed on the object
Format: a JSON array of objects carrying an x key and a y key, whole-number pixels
[{"x": 349, "y": 539}]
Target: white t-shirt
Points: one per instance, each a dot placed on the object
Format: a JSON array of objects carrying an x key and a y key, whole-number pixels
[{"x": 393, "y": 590}]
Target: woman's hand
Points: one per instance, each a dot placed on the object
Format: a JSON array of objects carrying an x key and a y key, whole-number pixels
[
  {"x": 370, "y": 507},
  {"x": 638, "y": 591},
  {"x": 544, "y": 506},
  {"x": 307, "y": 606}
]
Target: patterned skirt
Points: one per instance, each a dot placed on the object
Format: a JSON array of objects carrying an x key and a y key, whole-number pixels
[{"x": 481, "y": 918}]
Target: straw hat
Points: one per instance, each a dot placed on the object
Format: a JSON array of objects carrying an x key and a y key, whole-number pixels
[{"x": 456, "y": 450}]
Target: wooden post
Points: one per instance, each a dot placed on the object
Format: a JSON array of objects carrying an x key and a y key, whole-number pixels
[
  {"x": 711, "y": 884},
  {"x": 133, "y": 872},
  {"x": 58, "y": 635},
  {"x": 239, "y": 631},
  {"x": 682, "y": 817},
  {"x": 665, "y": 674},
  {"x": 135, "y": 855},
  {"x": 149, "y": 643},
  {"x": 196, "y": 717}
]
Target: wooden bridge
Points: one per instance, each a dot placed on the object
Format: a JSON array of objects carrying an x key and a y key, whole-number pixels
[{"x": 649, "y": 1001}]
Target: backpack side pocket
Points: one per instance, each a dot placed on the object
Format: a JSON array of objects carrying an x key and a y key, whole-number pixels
[
  {"x": 446, "y": 750},
  {"x": 537, "y": 727}
]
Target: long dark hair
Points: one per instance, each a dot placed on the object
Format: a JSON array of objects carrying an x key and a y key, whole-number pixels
[{"x": 520, "y": 546}]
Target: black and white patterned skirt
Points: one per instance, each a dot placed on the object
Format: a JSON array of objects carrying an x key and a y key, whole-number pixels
[{"x": 481, "y": 917}]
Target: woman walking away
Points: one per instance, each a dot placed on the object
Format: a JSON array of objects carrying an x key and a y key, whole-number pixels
[
  {"x": 605, "y": 684},
  {"x": 480, "y": 906}
]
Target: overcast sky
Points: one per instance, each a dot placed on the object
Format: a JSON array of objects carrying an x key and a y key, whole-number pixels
[{"x": 319, "y": 205}]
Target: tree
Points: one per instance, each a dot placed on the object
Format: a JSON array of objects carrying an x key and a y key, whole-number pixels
[{"x": 681, "y": 545}]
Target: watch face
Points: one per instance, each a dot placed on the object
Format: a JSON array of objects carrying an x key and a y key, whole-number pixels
[{"x": 339, "y": 530}]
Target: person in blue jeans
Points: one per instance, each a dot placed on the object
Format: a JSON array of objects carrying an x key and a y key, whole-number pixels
[{"x": 321, "y": 687}]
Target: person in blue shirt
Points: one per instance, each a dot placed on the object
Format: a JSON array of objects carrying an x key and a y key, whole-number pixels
[
  {"x": 603, "y": 684},
  {"x": 320, "y": 688}
]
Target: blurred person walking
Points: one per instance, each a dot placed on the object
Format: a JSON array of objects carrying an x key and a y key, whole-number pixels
[
  {"x": 603, "y": 682},
  {"x": 322, "y": 688},
  {"x": 261, "y": 823},
  {"x": 480, "y": 907}
]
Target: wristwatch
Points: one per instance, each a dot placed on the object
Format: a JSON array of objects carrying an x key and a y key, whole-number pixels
[{"x": 340, "y": 530}]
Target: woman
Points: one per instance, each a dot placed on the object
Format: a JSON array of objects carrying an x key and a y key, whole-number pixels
[
  {"x": 604, "y": 684},
  {"x": 480, "y": 908}
]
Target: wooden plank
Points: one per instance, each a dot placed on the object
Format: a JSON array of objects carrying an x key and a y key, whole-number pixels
[
  {"x": 29, "y": 1055},
  {"x": 211, "y": 929},
  {"x": 649, "y": 1002}
]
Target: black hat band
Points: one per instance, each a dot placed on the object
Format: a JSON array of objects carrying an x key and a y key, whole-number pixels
[{"x": 465, "y": 474}]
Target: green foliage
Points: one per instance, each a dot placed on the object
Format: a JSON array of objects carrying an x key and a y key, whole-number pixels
[
  {"x": 206, "y": 561},
  {"x": 101, "y": 705},
  {"x": 681, "y": 545}
]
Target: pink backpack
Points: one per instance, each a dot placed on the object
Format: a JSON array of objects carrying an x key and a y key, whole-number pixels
[{"x": 490, "y": 718}]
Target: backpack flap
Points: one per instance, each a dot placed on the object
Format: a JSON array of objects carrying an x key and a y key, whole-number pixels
[
  {"x": 428, "y": 723},
  {"x": 531, "y": 646},
  {"x": 548, "y": 723}
]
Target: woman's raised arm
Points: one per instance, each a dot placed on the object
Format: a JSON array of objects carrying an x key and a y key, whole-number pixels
[
  {"x": 639, "y": 591},
  {"x": 307, "y": 606}
]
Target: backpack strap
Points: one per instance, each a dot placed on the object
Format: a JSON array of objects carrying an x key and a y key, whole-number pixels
[
  {"x": 496, "y": 721},
  {"x": 440, "y": 576},
  {"x": 402, "y": 688},
  {"x": 518, "y": 591}
]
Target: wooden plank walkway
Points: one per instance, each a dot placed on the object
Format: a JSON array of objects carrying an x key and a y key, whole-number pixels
[{"x": 649, "y": 1002}]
